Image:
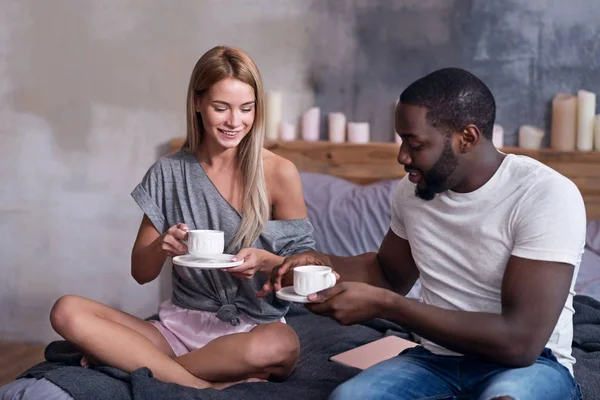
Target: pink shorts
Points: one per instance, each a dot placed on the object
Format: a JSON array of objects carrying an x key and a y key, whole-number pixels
[{"x": 188, "y": 330}]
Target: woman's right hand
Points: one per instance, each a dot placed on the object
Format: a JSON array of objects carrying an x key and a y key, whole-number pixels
[
  {"x": 282, "y": 275},
  {"x": 172, "y": 241}
]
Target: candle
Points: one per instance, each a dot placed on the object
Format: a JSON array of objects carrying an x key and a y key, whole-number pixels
[
  {"x": 288, "y": 132},
  {"x": 397, "y": 137},
  {"x": 597, "y": 132},
  {"x": 530, "y": 137},
  {"x": 498, "y": 136},
  {"x": 563, "y": 131},
  {"x": 337, "y": 127},
  {"x": 358, "y": 132},
  {"x": 586, "y": 109},
  {"x": 273, "y": 114},
  {"x": 310, "y": 124}
]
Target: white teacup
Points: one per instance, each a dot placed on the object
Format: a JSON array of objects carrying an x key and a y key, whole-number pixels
[
  {"x": 203, "y": 243},
  {"x": 310, "y": 279}
]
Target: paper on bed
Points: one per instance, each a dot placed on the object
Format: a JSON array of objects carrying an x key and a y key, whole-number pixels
[{"x": 369, "y": 354}]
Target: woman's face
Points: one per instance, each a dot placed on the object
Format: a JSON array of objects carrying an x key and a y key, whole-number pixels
[{"x": 227, "y": 111}]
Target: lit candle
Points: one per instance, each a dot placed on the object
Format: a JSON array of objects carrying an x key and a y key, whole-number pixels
[
  {"x": 288, "y": 132},
  {"x": 310, "y": 124},
  {"x": 358, "y": 132},
  {"x": 337, "y": 127},
  {"x": 498, "y": 136},
  {"x": 273, "y": 114},
  {"x": 586, "y": 109},
  {"x": 530, "y": 137},
  {"x": 564, "y": 122}
]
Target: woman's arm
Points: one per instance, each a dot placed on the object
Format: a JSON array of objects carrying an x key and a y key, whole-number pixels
[{"x": 151, "y": 249}]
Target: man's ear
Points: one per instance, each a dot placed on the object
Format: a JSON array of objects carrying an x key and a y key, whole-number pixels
[{"x": 469, "y": 137}]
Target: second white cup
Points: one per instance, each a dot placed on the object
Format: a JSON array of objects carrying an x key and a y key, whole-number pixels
[{"x": 310, "y": 279}]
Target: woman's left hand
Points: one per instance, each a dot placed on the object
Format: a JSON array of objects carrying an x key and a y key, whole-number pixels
[{"x": 253, "y": 261}]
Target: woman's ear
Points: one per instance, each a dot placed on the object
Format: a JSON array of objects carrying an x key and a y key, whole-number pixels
[{"x": 197, "y": 103}]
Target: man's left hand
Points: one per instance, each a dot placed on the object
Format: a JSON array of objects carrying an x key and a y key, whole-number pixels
[{"x": 348, "y": 302}]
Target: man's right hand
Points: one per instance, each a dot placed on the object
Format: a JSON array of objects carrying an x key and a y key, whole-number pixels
[{"x": 282, "y": 275}]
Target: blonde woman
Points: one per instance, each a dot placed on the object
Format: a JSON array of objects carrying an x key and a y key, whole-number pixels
[{"x": 214, "y": 330}]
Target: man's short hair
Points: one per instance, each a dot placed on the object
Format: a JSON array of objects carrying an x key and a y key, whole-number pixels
[{"x": 454, "y": 98}]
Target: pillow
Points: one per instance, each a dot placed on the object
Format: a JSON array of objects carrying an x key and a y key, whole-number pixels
[{"x": 349, "y": 219}]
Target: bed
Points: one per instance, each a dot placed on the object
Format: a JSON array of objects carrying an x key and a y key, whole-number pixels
[{"x": 347, "y": 189}]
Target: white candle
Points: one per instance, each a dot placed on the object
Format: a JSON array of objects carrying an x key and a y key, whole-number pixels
[
  {"x": 586, "y": 109},
  {"x": 273, "y": 101},
  {"x": 530, "y": 137},
  {"x": 563, "y": 131},
  {"x": 310, "y": 124},
  {"x": 597, "y": 133},
  {"x": 337, "y": 127},
  {"x": 397, "y": 137},
  {"x": 358, "y": 132},
  {"x": 288, "y": 132},
  {"x": 498, "y": 136}
]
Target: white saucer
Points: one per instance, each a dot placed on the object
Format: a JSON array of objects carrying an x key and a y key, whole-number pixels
[
  {"x": 208, "y": 262},
  {"x": 287, "y": 293}
]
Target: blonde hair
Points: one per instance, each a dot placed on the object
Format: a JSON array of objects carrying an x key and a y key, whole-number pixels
[{"x": 216, "y": 64}]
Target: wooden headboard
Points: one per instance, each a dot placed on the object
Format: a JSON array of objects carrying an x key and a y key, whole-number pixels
[{"x": 372, "y": 162}]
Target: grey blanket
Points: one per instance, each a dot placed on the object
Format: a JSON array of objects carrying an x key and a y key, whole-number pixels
[
  {"x": 586, "y": 345},
  {"x": 315, "y": 376}
]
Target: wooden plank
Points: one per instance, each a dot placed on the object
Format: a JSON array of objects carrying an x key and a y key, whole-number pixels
[
  {"x": 372, "y": 162},
  {"x": 16, "y": 358}
]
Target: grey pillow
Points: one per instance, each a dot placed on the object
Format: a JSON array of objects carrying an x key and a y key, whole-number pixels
[{"x": 349, "y": 219}]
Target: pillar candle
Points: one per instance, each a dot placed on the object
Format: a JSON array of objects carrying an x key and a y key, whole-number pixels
[
  {"x": 288, "y": 132},
  {"x": 273, "y": 101},
  {"x": 498, "y": 136},
  {"x": 530, "y": 137},
  {"x": 564, "y": 122},
  {"x": 597, "y": 133},
  {"x": 337, "y": 127},
  {"x": 310, "y": 124},
  {"x": 586, "y": 109},
  {"x": 358, "y": 132},
  {"x": 397, "y": 137}
]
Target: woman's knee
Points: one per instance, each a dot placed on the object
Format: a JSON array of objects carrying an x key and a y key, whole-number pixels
[
  {"x": 274, "y": 348},
  {"x": 65, "y": 312}
]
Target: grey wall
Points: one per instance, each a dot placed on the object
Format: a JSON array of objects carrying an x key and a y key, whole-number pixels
[
  {"x": 366, "y": 51},
  {"x": 90, "y": 92}
]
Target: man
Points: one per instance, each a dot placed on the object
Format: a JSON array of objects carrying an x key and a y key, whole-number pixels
[{"x": 496, "y": 241}]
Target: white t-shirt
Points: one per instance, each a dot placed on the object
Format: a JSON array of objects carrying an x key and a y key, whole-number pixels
[{"x": 461, "y": 242}]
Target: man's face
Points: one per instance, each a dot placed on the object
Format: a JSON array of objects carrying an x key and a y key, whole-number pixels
[{"x": 426, "y": 152}]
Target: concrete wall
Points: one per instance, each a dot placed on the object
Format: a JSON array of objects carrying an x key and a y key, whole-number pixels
[
  {"x": 90, "y": 92},
  {"x": 367, "y": 51}
]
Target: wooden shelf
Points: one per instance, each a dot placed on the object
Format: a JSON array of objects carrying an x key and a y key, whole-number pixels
[{"x": 368, "y": 163}]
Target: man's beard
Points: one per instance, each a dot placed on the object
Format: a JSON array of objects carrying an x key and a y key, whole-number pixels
[{"x": 436, "y": 178}]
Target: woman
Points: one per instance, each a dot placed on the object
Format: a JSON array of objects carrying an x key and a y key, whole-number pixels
[{"x": 214, "y": 330}]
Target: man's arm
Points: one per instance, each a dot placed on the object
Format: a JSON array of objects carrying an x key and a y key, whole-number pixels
[
  {"x": 533, "y": 295},
  {"x": 392, "y": 267}
]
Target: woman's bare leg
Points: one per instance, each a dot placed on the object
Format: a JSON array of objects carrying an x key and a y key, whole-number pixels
[
  {"x": 118, "y": 339},
  {"x": 268, "y": 351}
]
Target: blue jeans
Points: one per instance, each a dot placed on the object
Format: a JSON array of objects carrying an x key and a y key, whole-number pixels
[{"x": 419, "y": 374}]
